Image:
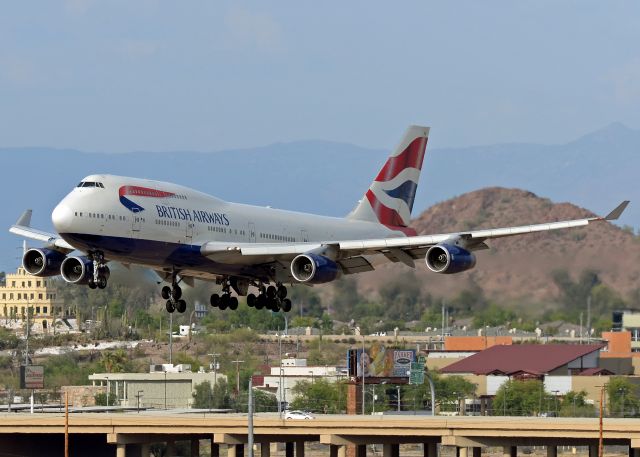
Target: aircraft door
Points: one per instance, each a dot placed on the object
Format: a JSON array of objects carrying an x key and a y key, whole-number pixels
[
  {"x": 304, "y": 235},
  {"x": 189, "y": 231},
  {"x": 252, "y": 232},
  {"x": 136, "y": 222}
]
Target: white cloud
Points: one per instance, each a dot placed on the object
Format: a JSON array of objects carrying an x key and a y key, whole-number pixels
[
  {"x": 626, "y": 82},
  {"x": 254, "y": 30}
]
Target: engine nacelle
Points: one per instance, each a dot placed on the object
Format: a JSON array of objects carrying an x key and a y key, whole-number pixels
[
  {"x": 77, "y": 270},
  {"x": 42, "y": 262},
  {"x": 314, "y": 269},
  {"x": 448, "y": 259}
]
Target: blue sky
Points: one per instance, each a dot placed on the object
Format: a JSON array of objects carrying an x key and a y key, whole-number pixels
[{"x": 120, "y": 75}]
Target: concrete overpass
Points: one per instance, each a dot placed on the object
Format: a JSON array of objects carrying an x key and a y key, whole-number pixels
[{"x": 131, "y": 435}]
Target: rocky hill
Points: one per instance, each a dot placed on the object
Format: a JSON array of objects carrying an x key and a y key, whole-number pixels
[{"x": 517, "y": 270}]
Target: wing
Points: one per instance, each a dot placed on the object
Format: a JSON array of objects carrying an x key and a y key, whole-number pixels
[
  {"x": 23, "y": 228},
  {"x": 355, "y": 256}
]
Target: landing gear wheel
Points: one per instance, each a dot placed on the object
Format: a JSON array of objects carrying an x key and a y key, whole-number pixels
[
  {"x": 166, "y": 292},
  {"x": 102, "y": 282},
  {"x": 275, "y": 307},
  {"x": 215, "y": 300},
  {"x": 251, "y": 300},
  {"x": 233, "y": 303},
  {"x": 282, "y": 292},
  {"x": 224, "y": 302},
  {"x": 92, "y": 284},
  {"x": 271, "y": 292},
  {"x": 286, "y": 305},
  {"x": 261, "y": 301},
  {"x": 176, "y": 293},
  {"x": 170, "y": 306},
  {"x": 181, "y": 306}
]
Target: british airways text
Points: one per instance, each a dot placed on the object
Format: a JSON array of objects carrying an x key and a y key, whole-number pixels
[{"x": 171, "y": 212}]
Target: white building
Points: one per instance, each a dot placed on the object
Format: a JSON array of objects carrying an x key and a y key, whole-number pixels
[{"x": 283, "y": 378}]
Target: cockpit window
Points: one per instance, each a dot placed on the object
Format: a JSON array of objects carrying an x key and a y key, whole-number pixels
[{"x": 91, "y": 184}]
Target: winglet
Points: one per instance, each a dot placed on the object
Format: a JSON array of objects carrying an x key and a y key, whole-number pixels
[
  {"x": 25, "y": 219},
  {"x": 617, "y": 212}
]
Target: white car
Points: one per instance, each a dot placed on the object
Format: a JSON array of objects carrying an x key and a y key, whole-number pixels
[{"x": 297, "y": 415}]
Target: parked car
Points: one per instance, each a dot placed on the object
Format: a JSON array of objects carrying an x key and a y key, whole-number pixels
[{"x": 297, "y": 415}]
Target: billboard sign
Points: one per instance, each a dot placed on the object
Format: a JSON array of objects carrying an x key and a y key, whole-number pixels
[
  {"x": 32, "y": 377},
  {"x": 380, "y": 362}
]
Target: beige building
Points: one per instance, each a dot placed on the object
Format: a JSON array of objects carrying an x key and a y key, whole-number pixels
[
  {"x": 24, "y": 292},
  {"x": 169, "y": 387}
]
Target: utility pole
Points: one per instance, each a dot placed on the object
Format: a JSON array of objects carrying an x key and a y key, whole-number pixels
[
  {"x": 363, "y": 374},
  {"x": 215, "y": 356},
  {"x": 237, "y": 362},
  {"x": 589, "y": 319},
  {"x": 250, "y": 408},
  {"x": 600, "y": 440}
]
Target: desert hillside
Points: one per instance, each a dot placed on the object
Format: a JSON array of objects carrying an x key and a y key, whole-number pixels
[{"x": 517, "y": 270}]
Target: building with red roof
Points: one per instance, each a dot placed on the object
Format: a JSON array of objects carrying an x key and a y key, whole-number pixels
[{"x": 530, "y": 360}]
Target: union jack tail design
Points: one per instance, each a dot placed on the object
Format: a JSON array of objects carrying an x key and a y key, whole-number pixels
[{"x": 390, "y": 197}]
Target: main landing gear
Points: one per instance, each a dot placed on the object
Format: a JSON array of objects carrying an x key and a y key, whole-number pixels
[
  {"x": 173, "y": 295},
  {"x": 100, "y": 271},
  {"x": 225, "y": 300},
  {"x": 273, "y": 298}
]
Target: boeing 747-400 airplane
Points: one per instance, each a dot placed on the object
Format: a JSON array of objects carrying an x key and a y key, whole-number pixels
[{"x": 184, "y": 234}]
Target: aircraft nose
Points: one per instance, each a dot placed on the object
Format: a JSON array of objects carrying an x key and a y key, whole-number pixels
[{"x": 62, "y": 217}]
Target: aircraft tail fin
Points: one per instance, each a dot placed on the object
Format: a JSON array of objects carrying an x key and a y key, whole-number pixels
[{"x": 389, "y": 199}]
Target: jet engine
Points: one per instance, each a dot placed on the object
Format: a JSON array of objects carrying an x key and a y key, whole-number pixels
[
  {"x": 77, "y": 270},
  {"x": 314, "y": 269},
  {"x": 42, "y": 262},
  {"x": 448, "y": 259}
]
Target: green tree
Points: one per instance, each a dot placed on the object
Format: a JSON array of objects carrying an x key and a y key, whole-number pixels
[
  {"x": 574, "y": 294},
  {"x": 203, "y": 396},
  {"x": 264, "y": 401},
  {"x": 101, "y": 399},
  {"x": 345, "y": 298},
  {"x": 574, "y": 404},
  {"x": 623, "y": 397},
  {"x": 320, "y": 396},
  {"x": 522, "y": 398},
  {"x": 449, "y": 390},
  {"x": 493, "y": 316},
  {"x": 402, "y": 297},
  {"x": 115, "y": 362},
  {"x": 218, "y": 396}
]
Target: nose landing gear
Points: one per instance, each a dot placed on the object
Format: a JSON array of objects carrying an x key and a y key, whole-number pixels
[{"x": 101, "y": 271}]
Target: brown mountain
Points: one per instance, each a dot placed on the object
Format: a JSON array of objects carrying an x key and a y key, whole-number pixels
[{"x": 517, "y": 270}]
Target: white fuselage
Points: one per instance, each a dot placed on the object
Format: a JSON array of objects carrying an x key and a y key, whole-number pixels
[{"x": 160, "y": 224}]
